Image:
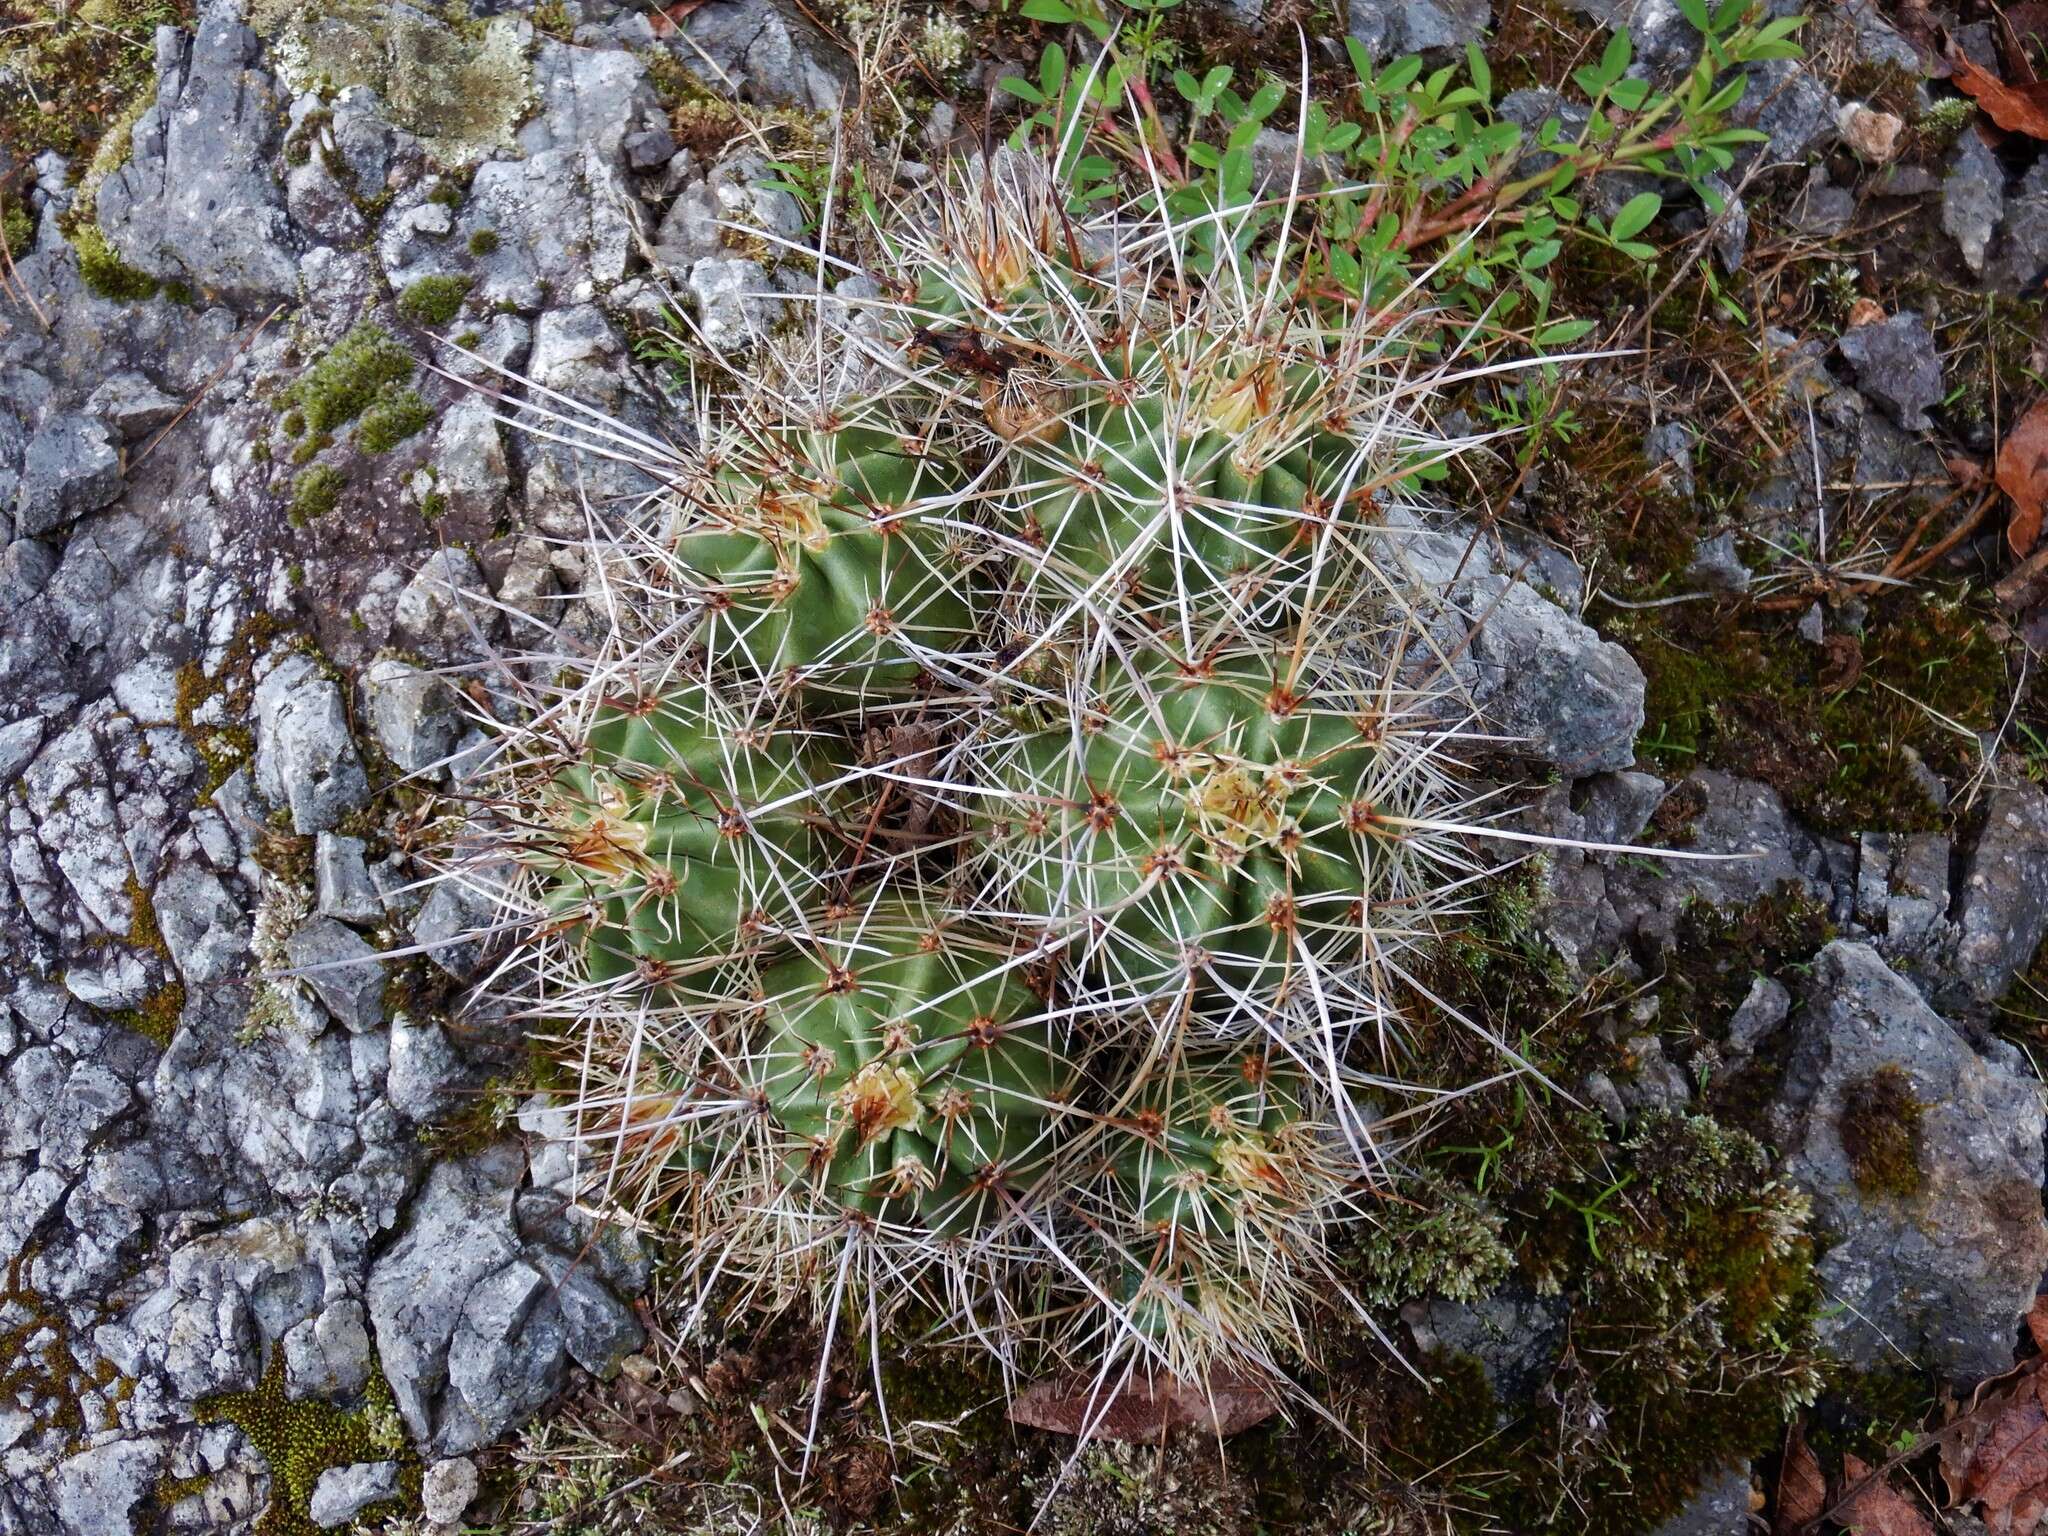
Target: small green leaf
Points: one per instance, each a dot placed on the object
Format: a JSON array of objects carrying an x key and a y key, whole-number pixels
[
  {"x": 1562, "y": 332},
  {"x": 1635, "y": 215},
  {"x": 1057, "y": 11},
  {"x": 1615, "y": 59},
  {"x": 1052, "y": 69},
  {"x": 1629, "y": 95},
  {"x": 1023, "y": 90},
  {"x": 1482, "y": 75}
]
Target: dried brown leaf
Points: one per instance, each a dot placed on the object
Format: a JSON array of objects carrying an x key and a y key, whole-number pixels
[
  {"x": 2023, "y": 476},
  {"x": 2015, "y": 108},
  {"x": 1880, "y": 1509},
  {"x": 1802, "y": 1491},
  {"x": 1075, "y": 1402},
  {"x": 2012, "y": 1458}
]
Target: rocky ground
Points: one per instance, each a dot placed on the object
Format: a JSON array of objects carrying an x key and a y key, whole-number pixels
[{"x": 286, "y": 1253}]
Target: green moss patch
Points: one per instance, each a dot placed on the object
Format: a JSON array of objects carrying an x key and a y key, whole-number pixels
[
  {"x": 344, "y": 383},
  {"x": 302, "y": 1439},
  {"x": 105, "y": 273},
  {"x": 437, "y": 300},
  {"x": 396, "y": 414},
  {"x": 1880, "y": 1130},
  {"x": 316, "y": 493}
]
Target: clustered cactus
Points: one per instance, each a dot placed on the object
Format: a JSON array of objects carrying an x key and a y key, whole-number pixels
[{"x": 979, "y": 863}]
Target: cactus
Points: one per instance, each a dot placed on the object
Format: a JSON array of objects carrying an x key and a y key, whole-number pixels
[
  {"x": 908, "y": 1069},
  {"x": 814, "y": 558},
  {"x": 1207, "y": 824},
  {"x": 681, "y": 830},
  {"x": 1002, "y": 777},
  {"x": 1210, "y": 1191}
]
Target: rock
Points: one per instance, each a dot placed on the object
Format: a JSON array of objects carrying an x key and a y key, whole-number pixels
[
  {"x": 1668, "y": 447},
  {"x": 736, "y": 304},
  {"x": 458, "y": 1234},
  {"x": 1972, "y": 198},
  {"x": 1758, "y": 1015},
  {"x": 414, "y": 716},
  {"x": 469, "y": 452},
  {"x": 1515, "y": 1334},
  {"x": 305, "y": 757},
  {"x": 2021, "y": 254},
  {"x": 764, "y": 51},
  {"x": 736, "y": 192},
  {"x": 132, "y": 405},
  {"x": 1925, "y": 1159},
  {"x": 1872, "y": 134},
  {"x": 444, "y": 611},
  {"x": 2003, "y": 910},
  {"x": 329, "y": 1356},
  {"x": 1715, "y": 564},
  {"x": 424, "y": 1070},
  {"x": 1388, "y": 29},
  {"x": 72, "y": 466},
  {"x": 1567, "y": 697},
  {"x": 1791, "y": 108},
  {"x": 451, "y": 921},
  {"x": 506, "y": 1358},
  {"x": 342, "y": 1493},
  {"x": 1896, "y": 365},
  {"x": 98, "y": 1489},
  {"x": 1720, "y": 1508},
  {"x": 196, "y": 200},
  {"x": 343, "y": 971},
  {"x": 205, "y": 929},
  {"x": 599, "y": 1330},
  {"x": 448, "y": 1489},
  {"x": 342, "y": 878}
]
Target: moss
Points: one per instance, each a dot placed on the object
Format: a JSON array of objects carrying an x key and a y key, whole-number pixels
[
  {"x": 293, "y": 422},
  {"x": 395, "y": 415},
  {"x": 316, "y": 493},
  {"x": 224, "y": 748},
  {"x": 1880, "y": 1130},
  {"x": 434, "y": 506},
  {"x": 17, "y": 228},
  {"x": 434, "y": 300},
  {"x": 1759, "y": 701},
  {"x": 483, "y": 242},
  {"x": 105, "y": 273},
  {"x": 156, "y": 1017},
  {"x": 342, "y": 385},
  {"x": 75, "y": 71},
  {"x": 299, "y": 1440}
]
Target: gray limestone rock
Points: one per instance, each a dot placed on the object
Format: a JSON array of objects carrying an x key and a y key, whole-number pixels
[
  {"x": 1568, "y": 697},
  {"x": 1896, "y": 365},
  {"x": 205, "y": 929},
  {"x": 1721, "y": 1507},
  {"x": 447, "y": 1489},
  {"x": 2002, "y": 912},
  {"x": 443, "y": 613},
  {"x": 1389, "y": 28},
  {"x": 1716, "y": 564},
  {"x": 306, "y": 759},
  {"x": 736, "y": 302},
  {"x": 341, "y": 879},
  {"x": 766, "y": 51},
  {"x": 1946, "y": 1271},
  {"x": 71, "y": 466},
  {"x": 196, "y": 199},
  {"x": 1973, "y": 198},
  {"x": 342, "y": 970},
  {"x": 342, "y": 1493},
  {"x": 413, "y": 715},
  {"x": 328, "y": 1356}
]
